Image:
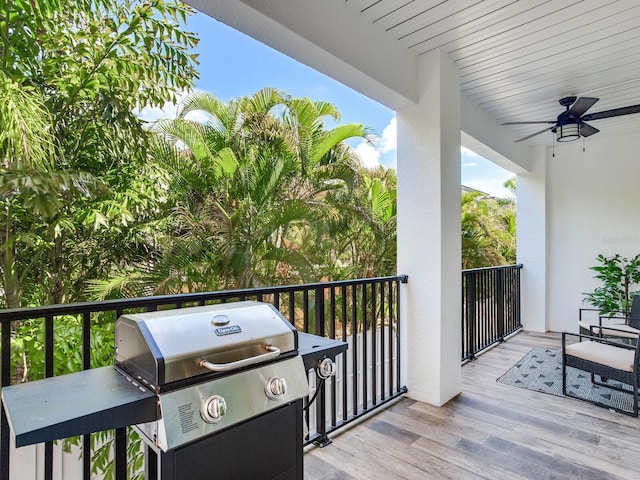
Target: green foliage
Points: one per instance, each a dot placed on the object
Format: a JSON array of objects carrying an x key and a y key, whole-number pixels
[
  {"x": 26, "y": 140},
  {"x": 618, "y": 275},
  {"x": 255, "y": 193},
  {"x": 28, "y": 346},
  {"x": 77, "y": 195},
  {"x": 102, "y": 455},
  {"x": 362, "y": 241},
  {"x": 488, "y": 229}
]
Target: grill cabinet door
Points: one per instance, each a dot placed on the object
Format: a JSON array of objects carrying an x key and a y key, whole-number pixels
[{"x": 266, "y": 447}]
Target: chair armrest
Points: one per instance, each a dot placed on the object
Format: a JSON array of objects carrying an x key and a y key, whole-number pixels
[
  {"x": 594, "y": 339},
  {"x": 600, "y": 317},
  {"x": 596, "y": 330},
  {"x": 606, "y": 317},
  {"x": 580, "y": 310}
]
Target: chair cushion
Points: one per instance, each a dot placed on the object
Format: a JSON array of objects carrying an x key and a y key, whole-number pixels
[
  {"x": 614, "y": 357},
  {"x": 621, "y": 330}
]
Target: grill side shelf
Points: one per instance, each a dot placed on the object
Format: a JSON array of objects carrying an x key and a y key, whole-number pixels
[
  {"x": 76, "y": 404},
  {"x": 314, "y": 349}
]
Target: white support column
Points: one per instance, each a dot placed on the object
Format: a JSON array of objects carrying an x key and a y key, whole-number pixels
[
  {"x": 532, "y": 241},
  {"x": 429, "y": 249}
]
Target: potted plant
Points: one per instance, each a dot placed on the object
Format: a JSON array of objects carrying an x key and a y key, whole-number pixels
[{"x": 618, "y": 275}]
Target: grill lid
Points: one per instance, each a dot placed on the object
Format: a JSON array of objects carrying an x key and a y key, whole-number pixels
[{"x": 168, "y": 346}]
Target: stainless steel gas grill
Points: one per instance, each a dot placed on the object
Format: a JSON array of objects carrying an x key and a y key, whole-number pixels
[
  {"x": 215, "y": 392},
  {"x": 215, "y": 367}
]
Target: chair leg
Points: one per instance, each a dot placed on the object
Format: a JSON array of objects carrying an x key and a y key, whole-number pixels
[
  {"x": 564, "y": 373},
  {"x": 635, "y": 395}
]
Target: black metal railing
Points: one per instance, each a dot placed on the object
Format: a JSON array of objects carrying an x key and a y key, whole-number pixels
[
  {"x": 490, "y": 307},
  {"x": 365, "y": 313}
]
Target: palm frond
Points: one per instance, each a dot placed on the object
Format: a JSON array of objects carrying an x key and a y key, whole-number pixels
[
  {"x": 334, "y": 137},
  {"x": 264, "y": 100},
  {"x": 26, "y": 137},
  {"x": 202, "y": 102}
]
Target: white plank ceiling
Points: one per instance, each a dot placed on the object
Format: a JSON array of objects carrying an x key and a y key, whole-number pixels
[{"x": 517, "y": 58}]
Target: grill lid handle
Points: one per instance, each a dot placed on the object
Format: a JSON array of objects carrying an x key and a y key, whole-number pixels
[{"x": 222, "y": 367}]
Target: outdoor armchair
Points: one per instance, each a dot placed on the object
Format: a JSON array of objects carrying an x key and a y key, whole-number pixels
[
  {"x": 618, "y": 325},
  {"x": 606, "y": 361}
]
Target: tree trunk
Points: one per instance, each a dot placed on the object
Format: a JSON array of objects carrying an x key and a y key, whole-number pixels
[{"x": 10, "y": 279}]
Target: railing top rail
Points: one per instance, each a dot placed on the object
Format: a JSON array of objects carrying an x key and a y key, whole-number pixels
[
  {"x": 15, "y": 314},
  {"x": 497, "y": 267}
]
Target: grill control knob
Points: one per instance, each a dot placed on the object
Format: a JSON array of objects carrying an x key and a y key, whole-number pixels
[
  {"x": 213, "y": 409},
  {"x": 326, "y": 368},
  {"x": 275, "y": 387}
]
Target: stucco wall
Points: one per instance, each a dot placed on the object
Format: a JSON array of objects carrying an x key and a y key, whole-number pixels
[{"x": 593, "y": 201}]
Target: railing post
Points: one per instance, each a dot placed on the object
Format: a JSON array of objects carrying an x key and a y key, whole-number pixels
[
  {"x": 463, "y": 330},
  {"x": 500, "y": 303},
  {"x": 4, "y": 443},
  {"x": 48, "y": 372},
  {"x": 321, "y": 404},
  {"x": 5, "y": 379},
  {"x": 518, "y": 297},
  {"x": 120, "y": 453},
  {"x": 86, "y": 365},
  {"x": 365, "y": 351},
  {"x": 471, "y": 316},
  {"x": 399, "y": 388},
  {"x": 374, "y": 350},
  {"x": 150, "y": 463}
]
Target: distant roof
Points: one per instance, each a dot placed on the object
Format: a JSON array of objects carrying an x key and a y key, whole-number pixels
[{"x": 469, "y": 189}]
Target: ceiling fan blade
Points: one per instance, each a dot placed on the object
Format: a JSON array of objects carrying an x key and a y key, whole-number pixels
[
  {"x": 587, "y": 130},
  {"x": 533, "y": 135},
  {"x": 581, "y": 105},
  {"x": 527, "y": 123},
  {"x": 615, "y": 112}
]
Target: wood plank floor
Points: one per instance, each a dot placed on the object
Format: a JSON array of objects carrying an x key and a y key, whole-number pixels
[{"x": 489, "y": 431}]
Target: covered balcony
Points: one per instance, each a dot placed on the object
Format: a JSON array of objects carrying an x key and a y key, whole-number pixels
[{"x": 455, "y": 73}]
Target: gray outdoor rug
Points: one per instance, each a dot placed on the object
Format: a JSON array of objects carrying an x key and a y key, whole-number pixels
[{"x": 541, "y": 370}]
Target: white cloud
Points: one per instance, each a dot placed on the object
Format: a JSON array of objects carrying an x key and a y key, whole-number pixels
[
  {"x": 170, "y": 110},
  {"x": 369, "y": 156},
  {"x": 151, "y": 114},
  {"x": 389, "y": 139},
  {"x": 198, "y": 116},
  {"x": 370, "y": 152}
]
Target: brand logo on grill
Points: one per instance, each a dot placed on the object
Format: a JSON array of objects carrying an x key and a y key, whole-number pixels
[{"x": 231, "y": 329}]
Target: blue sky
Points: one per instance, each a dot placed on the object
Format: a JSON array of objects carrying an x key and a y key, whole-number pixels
[{"x": 234, "y": 65}]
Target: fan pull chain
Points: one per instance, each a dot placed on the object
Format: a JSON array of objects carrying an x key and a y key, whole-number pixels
[{"x": 553, "y": 148}]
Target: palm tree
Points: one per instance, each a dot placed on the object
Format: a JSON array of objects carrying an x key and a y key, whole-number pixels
[
  {"x": 488, "y": 229},
  {"x": 249, "y": 187},
  {"x": 363, "y": 244}
]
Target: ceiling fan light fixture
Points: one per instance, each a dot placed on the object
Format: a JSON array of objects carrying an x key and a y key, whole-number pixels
[
  {"x": 568, "y": 132},
  {"x": 571, "y": 124}
]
